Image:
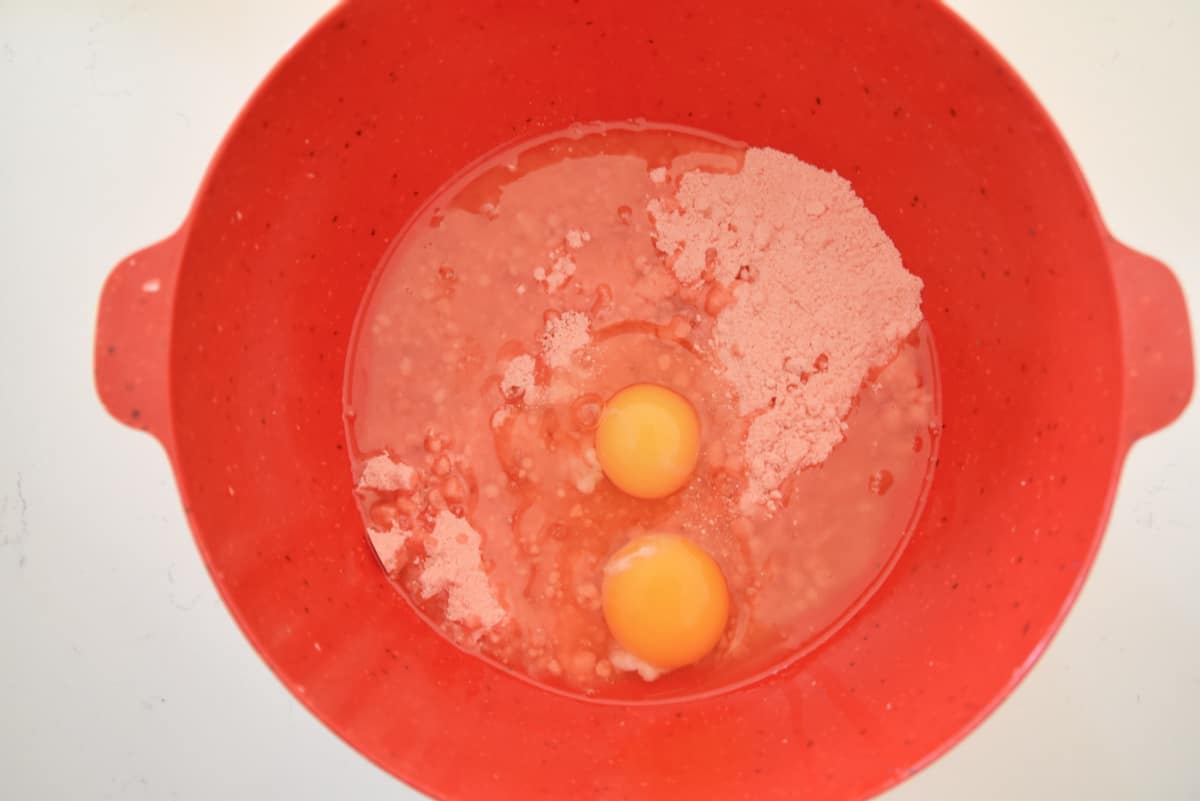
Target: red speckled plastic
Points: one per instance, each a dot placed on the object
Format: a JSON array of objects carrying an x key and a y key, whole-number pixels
[{"x": 1058, "y": 347}]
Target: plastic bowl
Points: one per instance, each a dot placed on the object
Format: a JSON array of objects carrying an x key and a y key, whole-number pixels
[{"x": 1058, "y": 346}]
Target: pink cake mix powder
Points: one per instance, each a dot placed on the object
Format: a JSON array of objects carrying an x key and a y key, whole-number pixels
[
  {"x": 824, "y": 300},
  {"x": 561, "y": 271}
]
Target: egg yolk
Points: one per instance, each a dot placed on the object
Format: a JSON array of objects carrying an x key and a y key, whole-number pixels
[
  {"x": 665, "y": 600},
  {"x": 648, "y": 440}
]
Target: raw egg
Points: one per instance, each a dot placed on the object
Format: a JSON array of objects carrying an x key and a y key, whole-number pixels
[
  {"x": 648, "y": 440},
  {"x": 665, "y": 600}
]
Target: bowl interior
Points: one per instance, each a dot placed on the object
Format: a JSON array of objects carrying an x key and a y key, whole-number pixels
[{"x": 379, "y": 106}]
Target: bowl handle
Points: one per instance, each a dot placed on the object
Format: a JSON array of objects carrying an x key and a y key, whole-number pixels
[
  {"x": 1156, "y": 340},
  {"x": 133, "y": 330}
]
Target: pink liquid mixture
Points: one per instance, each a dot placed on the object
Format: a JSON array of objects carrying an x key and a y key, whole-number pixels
[{"x": 502, "y": 318}]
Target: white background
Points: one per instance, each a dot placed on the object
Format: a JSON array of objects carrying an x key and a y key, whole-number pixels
[{"x": 122, "y": 675}]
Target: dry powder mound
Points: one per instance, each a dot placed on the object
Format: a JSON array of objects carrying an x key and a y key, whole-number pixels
[
  {"x": 821, "y": 298},
  {"x": 518, "y": 376},
  {"x": 381, "y": 473},
  {"x": 454, "y": 566},
  {"x": 387, "y": 545},
  {"x": 563, "y": 336}
]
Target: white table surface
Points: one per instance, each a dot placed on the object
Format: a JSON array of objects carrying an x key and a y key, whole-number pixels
[{"x": 121, "y": 673}]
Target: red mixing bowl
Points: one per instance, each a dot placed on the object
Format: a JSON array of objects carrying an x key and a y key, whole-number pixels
[{"x": 1058, "y": 347}]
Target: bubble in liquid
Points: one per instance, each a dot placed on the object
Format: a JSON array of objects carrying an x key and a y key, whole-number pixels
[
  {"x": 585, "y": 411},
  {"x": 880, "y": 482}
]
